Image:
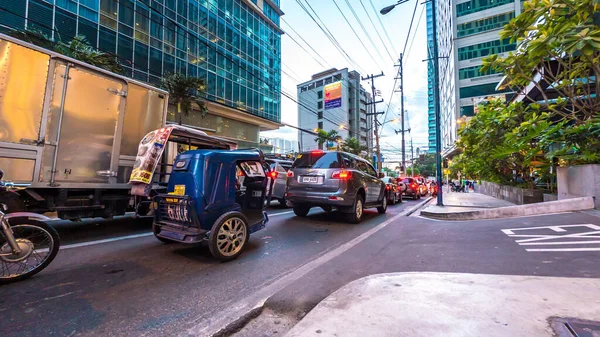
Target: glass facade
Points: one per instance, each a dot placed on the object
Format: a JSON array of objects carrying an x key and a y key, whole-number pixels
[
  {"x": 430, "y": 82},
  {"x": 471, "y": 72},
  {"x": 225, "y": 42},
  {"x": 474, "y": 6},
  {"x": 483, "y": 25},
  {"x": 480, "y": 90},
  {"x": 485, "y": 49}
]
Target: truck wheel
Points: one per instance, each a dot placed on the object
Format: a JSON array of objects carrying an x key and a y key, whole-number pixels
[
  {"x": 228, "y": 236},
  {"x": 156, "y": 230},
  {"x": 357, "y": 211},
  {"x": 301, "y": 211},
  {"x": 381, "y": 209}
]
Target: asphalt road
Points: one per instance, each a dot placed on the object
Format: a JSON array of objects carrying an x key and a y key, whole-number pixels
[
  {"x": 564, "y": 245},
  {"x": 131, "y": 284}
]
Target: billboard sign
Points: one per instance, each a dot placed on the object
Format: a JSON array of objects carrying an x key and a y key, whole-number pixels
[{"x": 333, "y": 95}]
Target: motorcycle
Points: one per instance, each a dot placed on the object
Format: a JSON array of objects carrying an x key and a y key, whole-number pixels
[{"x": 27, "y": 243}]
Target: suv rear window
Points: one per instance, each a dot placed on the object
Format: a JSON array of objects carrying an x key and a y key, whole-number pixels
[{"x": 317, "y": 160}]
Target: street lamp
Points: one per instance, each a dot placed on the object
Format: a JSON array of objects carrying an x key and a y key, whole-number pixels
[{"x": 436, "y": 77}]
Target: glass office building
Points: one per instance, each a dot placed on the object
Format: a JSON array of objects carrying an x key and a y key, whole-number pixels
[
  {"x": 234, "y": 45},
  {"x": 430, "y": 81}
]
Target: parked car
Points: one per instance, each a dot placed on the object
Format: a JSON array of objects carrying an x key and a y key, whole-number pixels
[
  {"x": 279, "y": 169},
  {"x": 394, "y": 190},
  {"x": 412, "y": 188},
  {"x": 337, "y": 180}
]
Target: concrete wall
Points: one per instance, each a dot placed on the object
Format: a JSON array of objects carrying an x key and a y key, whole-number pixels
[
  {"x": 579, "y": 181},
  {"x": 515, "y": 195}
]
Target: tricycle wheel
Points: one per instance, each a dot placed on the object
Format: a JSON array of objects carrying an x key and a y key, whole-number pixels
[
  {"x": 156, "y": 230},
  {"x": 228, "y": 236}
]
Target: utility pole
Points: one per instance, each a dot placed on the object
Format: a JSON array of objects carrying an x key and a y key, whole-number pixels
[
  {"x": 412, "y": 159},
  {"x": 378, "y": 150},
  {"x": 400, "y": 76}
]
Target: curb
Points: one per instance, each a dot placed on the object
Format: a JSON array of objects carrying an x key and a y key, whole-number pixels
[
  {"x": 254, "y": 305},
  {"x": 542, "y": 208}
]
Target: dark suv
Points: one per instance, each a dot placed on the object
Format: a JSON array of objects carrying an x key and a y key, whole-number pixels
[{"x": 335, "y": 180}]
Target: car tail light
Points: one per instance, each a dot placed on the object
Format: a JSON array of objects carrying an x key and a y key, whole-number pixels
[
  {"x": 290, "y": 174},
  {"x": 413, "y": 186},
  {"x": 273, "y": 174},
  {"x": 316, "y": 152},
  {"x": 387, "y": 187},
  {"x": 344, "y": 175}
]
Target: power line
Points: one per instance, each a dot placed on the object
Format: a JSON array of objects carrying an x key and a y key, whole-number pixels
[
  {"x": 308, "y": 44},
  {"x": 383, "y": 27},
  {"x": 396, "y": 78},
  {"x": 358, "y": 37},
  {"x": 364, "y": 29},
  {"x": 376, "y": 31},
  {"x": 415, "y": 35},
  {"x": 328, "y": 34}
]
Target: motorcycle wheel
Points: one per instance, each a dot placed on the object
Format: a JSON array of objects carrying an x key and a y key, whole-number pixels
[{"x": 39, "y": 243}]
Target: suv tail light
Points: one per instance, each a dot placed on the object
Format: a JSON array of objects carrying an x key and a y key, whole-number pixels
[
  {"x": 387, "y": 187},
  {"x": 273, "y": 174},
  {"x": 343, "y": 175},
  {"x": 413, "y": 186},
  {"x": 290, "y": 174}
]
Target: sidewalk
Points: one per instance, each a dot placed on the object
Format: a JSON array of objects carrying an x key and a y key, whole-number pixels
[
  {"x": 476, "y": 206},
  {"x": 458, "y": 202},
  {"x": 451, "y": 304}
]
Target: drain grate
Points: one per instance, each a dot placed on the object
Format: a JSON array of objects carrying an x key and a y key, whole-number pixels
[{"x": 572, "y": 327}]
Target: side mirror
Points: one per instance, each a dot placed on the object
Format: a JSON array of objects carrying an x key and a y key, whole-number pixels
[{"x": 381, "y": 175}]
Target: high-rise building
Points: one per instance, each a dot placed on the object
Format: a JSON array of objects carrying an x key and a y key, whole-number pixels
[
  {"x": 430, "y": 81},
  {"x": 334, "y": 100},
  {"x": 468, "y": 31},
  {"x": 234, "y": 45}
]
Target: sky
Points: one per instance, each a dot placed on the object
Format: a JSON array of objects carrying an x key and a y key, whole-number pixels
[{"x": 298, "y": 64}]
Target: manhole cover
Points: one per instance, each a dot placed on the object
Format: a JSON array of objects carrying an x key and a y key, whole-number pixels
[{"x": 572, "y": 327}]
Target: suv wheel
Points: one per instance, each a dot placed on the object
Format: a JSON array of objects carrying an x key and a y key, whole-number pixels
[
  {"x": 301, "y": 211},
  {"x": 381, "y": 209},
  {"x": 357, "y": 210}
]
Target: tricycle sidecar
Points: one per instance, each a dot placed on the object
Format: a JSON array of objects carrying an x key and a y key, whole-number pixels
[{"x": 216, "y": 196}]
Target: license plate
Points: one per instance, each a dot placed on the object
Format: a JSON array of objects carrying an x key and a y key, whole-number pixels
[
  {"x": 178, "y": 212},
  {"x": 257, "y": 194},
  {"x": 311, "y": 180}
]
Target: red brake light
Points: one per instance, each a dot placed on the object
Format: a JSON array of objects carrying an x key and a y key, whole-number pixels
[
  {"x": 341, "y": 175},
  {"x": 316, "y": 152},
  {"x": 413, "y": 186},
  {"x": 387, "y": 187},
  {"x": 290, "y": 174},
  {"x": 273, "y": 174}
]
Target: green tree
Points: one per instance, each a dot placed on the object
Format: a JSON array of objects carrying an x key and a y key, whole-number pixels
[
  {"x": 323, "y": 137},
  {"x": 184, "y": 92},
  {"x": 426, "y": 167},
  {"x": 561, "y": 40},
  {"x": 352, "y": 145}
]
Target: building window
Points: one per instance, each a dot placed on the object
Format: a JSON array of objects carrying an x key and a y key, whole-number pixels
[
  {"x": 320, "y": 105},
  {"x": 320, "y": 114},
  {"x": 320, "y": 94},
  {"x": 485, "y": 49},
  {"x": 473, "y": 6},
  {"x": 471, "y": 72},
  {"x": 320, "y": 125},
  {"x": 493, "y": 22},
  {"x": 480, "y": 90}
]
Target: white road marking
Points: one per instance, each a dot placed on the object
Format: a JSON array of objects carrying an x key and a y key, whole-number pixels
[
  {"x": 557, "y": 243},
  {"x": 564, "y": 250},
  {"x": 562, "y": 239},
  {"x": 97, "y": 242},
  {"x": 282, "y": 213}
]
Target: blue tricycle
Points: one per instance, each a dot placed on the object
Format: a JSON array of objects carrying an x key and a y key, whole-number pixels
[{"x": 216, "y": 196}]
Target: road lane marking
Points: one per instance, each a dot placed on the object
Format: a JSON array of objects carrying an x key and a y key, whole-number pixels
[
  {"x": 280, "y": 213},
  {"x": 565, "y": 238},
  {"x": 564, "y": 250},
  {"x": 97, "y": 242},
  {"x": 254, "y": 302}
]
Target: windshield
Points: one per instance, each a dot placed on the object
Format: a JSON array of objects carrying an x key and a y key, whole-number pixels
[{"x": 318, "y": 160}]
